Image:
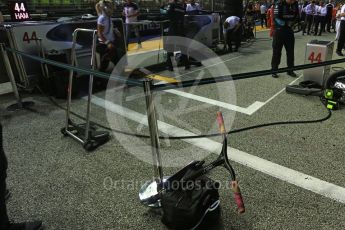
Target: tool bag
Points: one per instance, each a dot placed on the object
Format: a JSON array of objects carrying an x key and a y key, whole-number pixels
[{"x": 186, "y": 203}]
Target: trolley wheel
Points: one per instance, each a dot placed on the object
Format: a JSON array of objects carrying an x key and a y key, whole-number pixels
[
  {"x": 88, "y": 146},
  {"x": 63, "y": 131}
]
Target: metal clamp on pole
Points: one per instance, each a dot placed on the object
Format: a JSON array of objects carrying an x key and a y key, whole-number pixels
[
  {"x": 152, "y": 188},
  {"x": 86, "y": 134},
  {"x": 20, "y": 104}
]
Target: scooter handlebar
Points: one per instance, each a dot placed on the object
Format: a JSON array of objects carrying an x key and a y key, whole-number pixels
[
  {"x": 220, "y": 121},
  {"x": 238, "y": 197}
]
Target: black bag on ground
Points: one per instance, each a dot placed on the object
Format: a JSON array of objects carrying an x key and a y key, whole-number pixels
[{"x": 186, "y": 206}]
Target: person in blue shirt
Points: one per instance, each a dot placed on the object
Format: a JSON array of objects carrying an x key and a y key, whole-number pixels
[
  {"x": 320, "y": 19},
  {"x": 309, "y": 11}
]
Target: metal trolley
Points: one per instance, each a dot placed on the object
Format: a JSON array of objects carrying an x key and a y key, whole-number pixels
[{"x": 85, "y": 133}]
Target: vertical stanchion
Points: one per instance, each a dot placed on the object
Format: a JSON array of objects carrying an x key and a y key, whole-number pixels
[
  {"x": 70, "y": 81},
  {"x": 88, "y": 110},
  {"x": 152, "y": 188},
  {"x": 153, "y": 127},
  {"x": 20, "y": 104},
  {"x": 18, "y": 60}
]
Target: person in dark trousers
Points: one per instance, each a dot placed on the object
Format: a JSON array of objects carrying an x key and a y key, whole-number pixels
[
  {"x": 329, "y": 7},
  {"x": 263, "y": 13},
  {"x": 302, "y": 12},
  {"x": 309, "y": 10},
  {"x": 175, "y": 13},
  {"x": 232, "y": 31},
  {"x": 341, "y": 40},
  {"x": 5, "y": 224},
  {"x": 285, "y": 14},
  {"x": 320, "y": 19}
]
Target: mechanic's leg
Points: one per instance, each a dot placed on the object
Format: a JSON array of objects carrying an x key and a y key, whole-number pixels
[
  {"x": 310, "y": 22},
  {"x": 168, "y": 62},
  {"x": 238, "y": 37},
  {"x": 137, "y": 34},
  {"x": 277, "y": 46},
  {"x": 328, "y": 23},
  {"x": 3, "y": 168},
  {"x": 316, "y": 24},
  {"x": 102, "y": 50},
  {"x": 323, "y": 25},
  {"x": 341, "y": 40},
  {"x": 128, "y": 32},
  {"x": 289, "y": 44},
  {"x": 228, "y": 40}
]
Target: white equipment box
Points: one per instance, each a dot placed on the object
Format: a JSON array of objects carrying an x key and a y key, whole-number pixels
[{"x": 316, "y": 52}]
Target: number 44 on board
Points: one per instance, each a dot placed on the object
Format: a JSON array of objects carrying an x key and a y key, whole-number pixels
[{"x": 312, "y": 58}]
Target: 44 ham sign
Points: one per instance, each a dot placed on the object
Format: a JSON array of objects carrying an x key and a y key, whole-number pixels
[{"x": 19, "y": 11}]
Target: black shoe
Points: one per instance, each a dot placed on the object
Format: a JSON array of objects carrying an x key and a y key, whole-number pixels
[
  {"x": 274, "y": 75},
  {"x": 34, "y": 225},
  {"x": 292, "y": 74},
  {"x": 236, "y": 50},
  {"x": 170, "y": 68},
  {"x": 187, "y": 67},
  {"x": 339, "y": 53},
  {"x": 7, "y": 194}
]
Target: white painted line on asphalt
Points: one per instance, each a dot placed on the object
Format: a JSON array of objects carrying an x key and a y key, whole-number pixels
[
  {"x": 136, "y": 96},
  {"x": 205, "y": 67},
  {"x": 275, "y": 95},
  {"x": 291, "y": 176},
  {"x": 249, "y": 110}
]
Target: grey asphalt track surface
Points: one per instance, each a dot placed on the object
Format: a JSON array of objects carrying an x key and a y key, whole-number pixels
[{"x": 54, "y": 179}]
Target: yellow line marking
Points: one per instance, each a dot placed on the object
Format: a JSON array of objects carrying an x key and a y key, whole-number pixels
[
  {"x": 163, "y": 78},
  {"x": 149, "y": 45},
  {"x": 156, "y": 77},
  {"x": 259, "y": 29}
]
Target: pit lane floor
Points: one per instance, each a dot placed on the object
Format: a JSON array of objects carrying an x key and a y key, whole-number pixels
[{"x": 52, "y": 178}]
